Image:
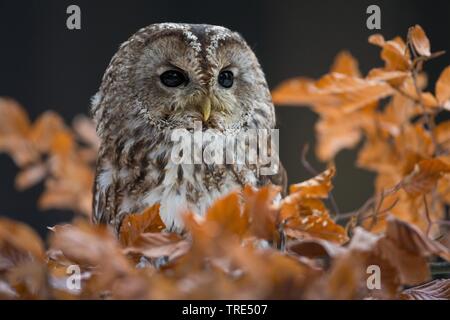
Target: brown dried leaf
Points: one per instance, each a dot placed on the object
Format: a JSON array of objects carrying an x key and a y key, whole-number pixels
[
  {"x": 315, "y": 248},
  {"x": 90, "y": 246},
  {"x": 261, "y": 212},
  {"x": 393, "y": 77},
  {"x": 409, "y": 238},
  {"x": 20, "y": 238},
  {"x": 227, "y": 214},
  {"x": 159, "y": 245},
  {"x": 393, "y": 52},
  {"x": 346, "y": 64},
  {"x": 22, "y": 260},
  {"x": 305, "y": 215},
  {"x": 419, "y": 40},
  {"x": 30, "y": 176},
  {"x": 443, "y": 89},
  {"x": 438, "y": 289},
  {"x": 15, "y": 128},
  {"x": 44, "y": 130},
  {"x": 425, "y": 176},
  {"x": 300, "y": 91},
  {"x": 317, "y": 187},
  {"x": 317, "y": 225},
  {"x": 13, "y": 118},
  {"x": 133, "y": 225},
  {"x": 351, "y": 93},
  {"x": 341, "y": 131}
]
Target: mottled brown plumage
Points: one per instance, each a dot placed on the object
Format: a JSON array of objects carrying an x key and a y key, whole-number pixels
[{"x": 136, "y": 113}]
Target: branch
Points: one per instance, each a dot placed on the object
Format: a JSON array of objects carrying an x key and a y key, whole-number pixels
[
  {"x": 371, "y": 202},
  {"x": 416, "y": 65},
  {"x": 427, "y": 214}
]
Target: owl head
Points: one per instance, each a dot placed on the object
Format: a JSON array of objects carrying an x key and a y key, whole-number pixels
[{"x": 170, "y": 75}]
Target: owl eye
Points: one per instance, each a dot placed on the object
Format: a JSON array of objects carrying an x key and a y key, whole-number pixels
[
  {"x": 173, "y": 78},
  {"x": 226, "y": 79}
]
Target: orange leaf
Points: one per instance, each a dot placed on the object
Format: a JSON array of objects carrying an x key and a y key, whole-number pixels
[
  {"x": 438, "y": 289},
  {"x": 304, "y": 213},
  {"x": 316, "y": 187},
  {"x": 351, "y": 93},
  {"x": 31, "y": 176},
  {"x": 316, "y": 225},
  {"x": 44, "y": 130},
  {"x": 411, "y": 239},
  {"x": 156, "y": 245},
  {"x": 424, "y": 177},
  {"x": 443, "y": 88},
  {"x": 420, "y": 40},
  {"x": 93, "y": 247},
  {"x": 22, "y": 238},
  {"x": 346, "y": 64},
  {"x": 62, "y": 143},
  {"x": 13, "y": 118},
  {"x": 133, "y": 225},
  {"x": 393, "y": 77},
  {"x": 261, "y": 211},
  {"x": 300, "y": 91},
  {"x": 227, "y": 214},
  {"x": 15, "y": 128},
  {"x": 393, "y": 52}
]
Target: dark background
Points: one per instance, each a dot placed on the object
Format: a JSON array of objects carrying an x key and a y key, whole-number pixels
[{"x": 46, "y": 66}]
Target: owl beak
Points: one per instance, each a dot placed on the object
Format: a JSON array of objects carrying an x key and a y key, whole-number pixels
[{"x": 205, "y": 108}]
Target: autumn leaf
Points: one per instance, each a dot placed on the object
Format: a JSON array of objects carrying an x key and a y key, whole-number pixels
[
  {"x": 443, "y": 88},
  {"x": 22, "y": 260},
  {"x": 31, "y": 176},
  {"x": 419, "y": 40},
  {"x": 394, "y": 77},
  {"x": 157, "y": 245},
  {"x": 433, "y": 290},
  {"x": 316, "y": 248},
  {"x": 15, "y": 128},
  {"x": 45, "y": 130},
  {"x": 305, "y": 196},
  {"x": 21, "y": 238},
  {"x": 411, "y": 239},
  {"x": 393, "y": 53},
  {"x": 300, "y": 91},
  {"x": 425, "y": 176},
  {"x": 352, "y": 93},
  {"x": 316, "y": 225},
  {"x": 346, "y": 64},
  {"x": 227, "y": 214},
  {"x": 133, "y": 225},
  {"x": 343, "y": 88},
  {"x": 305, "y": 215},
  {"x": 317, "y": 187}
]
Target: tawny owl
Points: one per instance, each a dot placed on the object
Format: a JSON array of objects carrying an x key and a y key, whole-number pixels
[{"x": 165, "y": 77}]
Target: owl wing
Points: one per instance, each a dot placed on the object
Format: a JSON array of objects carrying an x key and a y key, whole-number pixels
[
  {"x": 100, "y": 208},
  {"x": 280, "y": 179}
]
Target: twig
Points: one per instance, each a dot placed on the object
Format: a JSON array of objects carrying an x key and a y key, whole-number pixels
[
  {"x": 371, "y": 202},
  {"x": 306, "y": 163},
  {"x": 377, "y": 210},
  {"x": 427, "y": 214},
  {"x": 282, "y": 241},
  {"x": 417, "y": 63}
]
